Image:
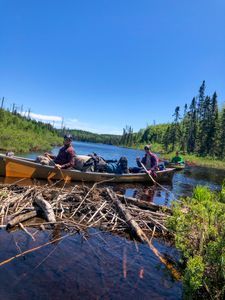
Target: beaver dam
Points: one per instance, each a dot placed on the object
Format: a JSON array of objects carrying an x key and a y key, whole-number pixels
[{"x": 79, "y": 208}]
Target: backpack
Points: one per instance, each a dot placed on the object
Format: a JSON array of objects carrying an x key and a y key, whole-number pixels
[
  {"x": 95, "y": 163},
  {"x": 120, "y": 167},
  {"x": 123, "y": 165}
]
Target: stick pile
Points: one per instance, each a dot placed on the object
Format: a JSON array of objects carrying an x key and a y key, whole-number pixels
[{"x": 80, "y": 208}]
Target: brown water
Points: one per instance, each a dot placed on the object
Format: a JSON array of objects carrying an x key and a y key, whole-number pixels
[{"x": 101, "y": 265}]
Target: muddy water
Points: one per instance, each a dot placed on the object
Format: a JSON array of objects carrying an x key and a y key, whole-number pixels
[{"x": 101, "y": 265}]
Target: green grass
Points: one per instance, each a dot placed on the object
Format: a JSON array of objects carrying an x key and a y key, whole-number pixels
[
  {"x": 190, "y": 159},
  {"x": 199, "y": 161}
]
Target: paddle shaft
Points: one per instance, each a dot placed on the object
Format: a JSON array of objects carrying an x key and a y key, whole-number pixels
[
  {"x": 147, "y": 172},
  {"x": 55, "y": 165},
  {"x": 143, "y": 166}
]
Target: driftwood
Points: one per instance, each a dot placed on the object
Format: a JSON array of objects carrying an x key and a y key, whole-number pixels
[
  {"x": 144, "y": 204},
  {"x": 126, "y": 215},
  {"x": 141, "y": 235},
  {"x": 21, "y": 218},
  {"x": 46, "y": 207}
]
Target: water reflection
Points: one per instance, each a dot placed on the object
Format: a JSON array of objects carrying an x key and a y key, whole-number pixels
[
  {"x": 183, "y": 181},
  {"x": 102, "y": 266}
]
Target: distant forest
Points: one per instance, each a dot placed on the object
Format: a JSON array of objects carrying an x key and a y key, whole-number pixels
[
  {"x": 199, "y": 130},
  {"x": 86, "y": 136}
]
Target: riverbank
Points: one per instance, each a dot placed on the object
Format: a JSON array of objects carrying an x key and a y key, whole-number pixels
[
  {"x": 199, "y": 161},
  {"x": 192, "y": 160}
]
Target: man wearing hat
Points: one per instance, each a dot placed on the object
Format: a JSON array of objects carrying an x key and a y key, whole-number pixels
[
  {"x": 66, "y": 155},
  {"x": 150, "y": 161}
]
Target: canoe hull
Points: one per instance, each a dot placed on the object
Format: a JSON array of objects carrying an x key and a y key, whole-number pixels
[
  {"x": 176, "y": 166},
  {"x": 27, "y": 168}
]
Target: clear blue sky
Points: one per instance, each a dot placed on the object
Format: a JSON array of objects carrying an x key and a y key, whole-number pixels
[{"x": 104, "y": 64}]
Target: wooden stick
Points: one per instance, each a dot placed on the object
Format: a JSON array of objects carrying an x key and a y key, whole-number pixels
[
  {"x": 144, "y": 204},
  {"x": 92, "y": 188},
  {"x": 34, "y": 249},
  {"x": 104, "y": 203},
  {"x": 27, "y": 232},
  {"x": 149, "y": 175},
  {"x": 21, "y": 218},
  {"x": 139, "y": 232}
]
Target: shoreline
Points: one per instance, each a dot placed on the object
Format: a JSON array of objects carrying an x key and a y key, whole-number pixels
[{"x": 190, "y": 159}]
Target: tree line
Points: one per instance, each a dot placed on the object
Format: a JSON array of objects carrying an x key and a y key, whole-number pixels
[
  {"x": 86, "y": 136},
  {"x": 200, "y": 130}
]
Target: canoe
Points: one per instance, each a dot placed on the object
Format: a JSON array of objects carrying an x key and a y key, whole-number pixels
[
  {"x": 176, "y": 166},
  {"x": 19, "y": 167}
]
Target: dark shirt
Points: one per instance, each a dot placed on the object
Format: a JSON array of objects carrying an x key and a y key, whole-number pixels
[
  {"x": 154, "y": 161},
  {"x": 65, "y": 157}
]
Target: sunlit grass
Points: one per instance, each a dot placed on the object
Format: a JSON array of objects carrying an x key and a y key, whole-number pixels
[{"x": 191, "y": 159}]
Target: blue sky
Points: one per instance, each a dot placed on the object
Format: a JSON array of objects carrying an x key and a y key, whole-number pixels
[{"x": 105, "y": 64}]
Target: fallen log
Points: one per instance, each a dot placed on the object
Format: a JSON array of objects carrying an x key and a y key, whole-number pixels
[
  {"x": 143, "y": 204},
  {"x": 21, "y": 218},
  {"x": 141, "y": 235}
]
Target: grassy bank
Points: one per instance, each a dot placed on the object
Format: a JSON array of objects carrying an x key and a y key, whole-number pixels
[
  {"x": 191, "y": 159},
  {"x": 19, "y": 134},
  {"x": 199, "y": 161}
]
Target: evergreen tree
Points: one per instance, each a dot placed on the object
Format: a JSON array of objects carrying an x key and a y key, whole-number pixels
[
  {"x": 221, "y": 149},
  {"x": 192, "y": 127},
  {"x": 175, "y": 133},
  {"x": 204, "y": 127},
  {"x": 201, "y": 100},
  {"x": 213, "y": 135},
  {"x": 200, "y": 117}
]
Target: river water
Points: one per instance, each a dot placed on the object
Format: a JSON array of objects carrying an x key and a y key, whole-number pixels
[{"x": 93, "y": 268}]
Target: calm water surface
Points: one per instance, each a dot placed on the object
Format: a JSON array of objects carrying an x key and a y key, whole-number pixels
[{"x": 103, "y": 266}]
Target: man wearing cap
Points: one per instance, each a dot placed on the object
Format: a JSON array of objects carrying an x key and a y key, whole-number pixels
[
  {"x": 66, "y": 155},
  {"x": 150, "y": 161}
]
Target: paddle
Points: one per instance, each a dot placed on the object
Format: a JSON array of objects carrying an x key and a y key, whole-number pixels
[
  {"x": 147, "y": 172},
  {"x": 57, "y": 166}
]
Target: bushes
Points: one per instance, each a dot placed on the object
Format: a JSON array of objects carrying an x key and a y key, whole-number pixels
[{"x": 199, "y": 227}]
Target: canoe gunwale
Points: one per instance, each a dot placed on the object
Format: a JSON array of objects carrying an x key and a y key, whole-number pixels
[{"x": 44, "y": 172}]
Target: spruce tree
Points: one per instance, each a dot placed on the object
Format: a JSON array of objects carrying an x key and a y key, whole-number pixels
[
  {"x": 192, "y": 130},
  {"x": 222, "y": 135},
  {"x": 213, "y": 134}
]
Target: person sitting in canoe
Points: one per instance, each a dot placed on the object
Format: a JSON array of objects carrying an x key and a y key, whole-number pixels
[
  {"x": 150, "y": 161},
  {"x": 177, "y": 159},
  {"x": 65, "y": 157}
]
